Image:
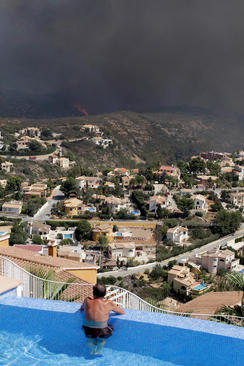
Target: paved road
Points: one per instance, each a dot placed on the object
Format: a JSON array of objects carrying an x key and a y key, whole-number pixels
[
  {"x": 45, "y": 210},
  {"x": 187, "y": 255}
]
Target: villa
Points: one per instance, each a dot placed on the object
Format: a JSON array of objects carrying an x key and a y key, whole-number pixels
[
  {"x": 7, "y": 166},
  {"x": 12, "y": 207},
  {"x": 73, "y": 207},
  {"x": 178, "y": 234}
]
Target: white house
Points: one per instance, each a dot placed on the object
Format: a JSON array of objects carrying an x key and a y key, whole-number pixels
[
  {"x": 154, "y": 201},
  {"x": 121, "y": 250},
  {"x": 178, "y": 234},
  {"x": 218, "y": 259},
  {"x": 116, "y": 204},
  {"x": 200, "y": 202}
]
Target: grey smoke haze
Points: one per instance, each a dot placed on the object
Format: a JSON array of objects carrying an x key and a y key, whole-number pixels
[{"x": 119, "y": 54}]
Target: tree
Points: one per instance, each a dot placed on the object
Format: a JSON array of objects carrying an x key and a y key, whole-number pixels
[
  {"x": 214, "y": 168},
  {"x": 197, "y": 165},
  {"x": 13, "y": 184},
  {"x": 17, "y": 235},
  {"x": 115, "y": 228},
  {"x": 227, "y": 222},
  {"x": 46, "y": 134},
  {"x": 162, "y": 212},
  {"x": 103, "y": 241},
  {"x": 35, "y": 147},
  {"x": 36, "y": 239},
  {"x": 83, "y": 230},
  {"x": 185, "y": 205},
  {"x": 158, "y": 272},
  {"x": 69, "y": 186}
]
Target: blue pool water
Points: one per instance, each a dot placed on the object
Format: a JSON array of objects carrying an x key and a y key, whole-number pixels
[
  {"x": 199, "y": 287},
  {"x": 39, "y": 333},
  {"x": 68, "y": 236}
]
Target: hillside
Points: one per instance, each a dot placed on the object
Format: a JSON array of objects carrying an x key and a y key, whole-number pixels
[{"x": 139, "y": 138}]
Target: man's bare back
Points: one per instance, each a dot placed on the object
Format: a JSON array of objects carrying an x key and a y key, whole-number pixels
[{"x": 98, "y": 309}]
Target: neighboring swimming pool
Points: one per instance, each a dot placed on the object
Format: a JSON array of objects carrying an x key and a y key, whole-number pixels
[
  {"x": 68, "y": 236},
  {"x": 199, "y": 287},
  {"x": 39, "y": 333}
]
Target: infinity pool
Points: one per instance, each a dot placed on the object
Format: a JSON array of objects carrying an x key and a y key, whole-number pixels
[{"x": 39, "y": 332}]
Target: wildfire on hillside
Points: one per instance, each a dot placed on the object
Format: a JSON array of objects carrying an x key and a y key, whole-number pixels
[{"x": 80, "y": 109}]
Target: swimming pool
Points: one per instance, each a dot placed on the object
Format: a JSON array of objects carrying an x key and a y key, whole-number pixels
[
  {"x": 199, "y": 287},
  {"x": 68, "y": 236},
  {"x": 40, "y": 332}
]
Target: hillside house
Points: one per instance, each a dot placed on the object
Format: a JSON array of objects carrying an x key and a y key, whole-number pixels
[
  {"x": 169, "y": 170},
  {"x": 181, "y": 279},
  {"x": 109, "y": 185},
  {"x": 12, "y": 207},
  {"x": 102, "y": 230},
  {"x": 119, "y": 171},
  {"x": 34, "y": 190},
  {"x": 53, "y": 159},
  {"x": 212, "y": 155},
  {"x": 90, "y": 182},
  {"x": 207, "y": 180},
  {"x": 239, "y": 172},
  {"x": 178, "y": 234},
  {"x": 213, "y": 261},
  {"x": 23, "y": 143},
  {"x": 162, "y": 201},
  {"x": 91, "y": 128},
  {"x": 115, "y": 204},
  {"x": 237, "y": 199},
  {"x": 7, "y": 166},
  {"x": 212, "y": 302},
  {"x": 200, "y": 203},
  {"x": 38, "y": 228},
  {"x": 63, "y": 163},
  {"x": 30, "y": 131},
  {"x": 121, "y": 250},
  {"x": 100, "y": 141},
  {"x": 73, "y": 207}
]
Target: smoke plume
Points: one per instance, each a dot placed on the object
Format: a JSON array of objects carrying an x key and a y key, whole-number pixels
[{"x": 125, "y": 54}]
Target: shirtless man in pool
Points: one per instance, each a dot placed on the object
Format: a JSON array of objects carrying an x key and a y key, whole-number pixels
[{"x": 96, "y": 313}]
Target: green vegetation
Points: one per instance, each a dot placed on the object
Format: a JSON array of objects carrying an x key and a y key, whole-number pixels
[
  {"x": 17, "y": 235},
  {"x": 83, "y": 230}
]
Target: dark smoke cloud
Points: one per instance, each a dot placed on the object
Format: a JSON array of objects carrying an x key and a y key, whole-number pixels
[{"x": 119, "y": 54}]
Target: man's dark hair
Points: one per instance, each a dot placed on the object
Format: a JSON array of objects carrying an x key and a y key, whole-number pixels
[{"x": 99, "y": 290}]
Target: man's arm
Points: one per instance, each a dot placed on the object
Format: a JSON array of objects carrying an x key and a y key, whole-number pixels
[
  {"x": 83, "y": 306},
  {"x": 116, "y": 308}
]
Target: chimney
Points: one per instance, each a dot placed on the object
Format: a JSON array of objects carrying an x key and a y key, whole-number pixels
[{"x": 52, "y": 249}]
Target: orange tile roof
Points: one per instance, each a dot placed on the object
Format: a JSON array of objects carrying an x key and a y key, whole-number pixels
[
  {"x": 60, "y": 263},
  {"x": 211, "y": 302}
]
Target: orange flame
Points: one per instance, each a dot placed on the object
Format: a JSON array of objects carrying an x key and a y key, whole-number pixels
[{"x": 81, "y": 109}]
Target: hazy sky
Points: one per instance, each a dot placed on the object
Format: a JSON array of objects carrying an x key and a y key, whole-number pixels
[{"x": 109, "y": 54}]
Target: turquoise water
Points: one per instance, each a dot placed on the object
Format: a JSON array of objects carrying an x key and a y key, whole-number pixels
[
  {"x": 199, "y": 287},
  {"x": 34, "y": 337},
  {"x": 68, "y": 236}
]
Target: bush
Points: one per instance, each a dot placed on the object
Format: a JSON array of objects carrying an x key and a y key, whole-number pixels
[{"x": 36, "y": 239}]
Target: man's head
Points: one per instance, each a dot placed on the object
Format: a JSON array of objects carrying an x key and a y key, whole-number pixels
[{"x": 99, "y": 291}]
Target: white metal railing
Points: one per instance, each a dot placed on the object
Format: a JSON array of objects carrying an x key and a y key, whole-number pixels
[{"x": 37, "y": 287}]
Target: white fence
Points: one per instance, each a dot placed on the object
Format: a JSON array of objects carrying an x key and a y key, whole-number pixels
[{"x": 40, "y": 288}]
